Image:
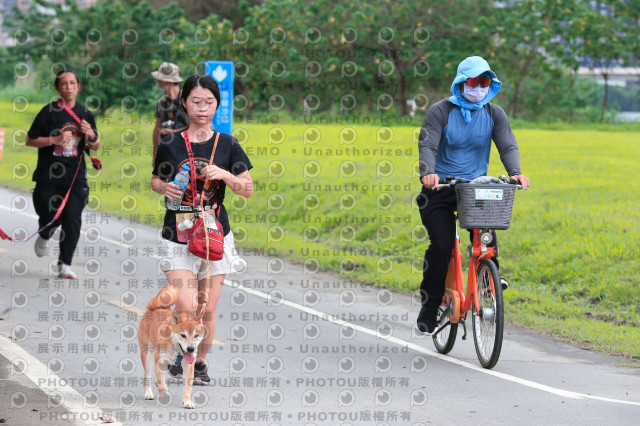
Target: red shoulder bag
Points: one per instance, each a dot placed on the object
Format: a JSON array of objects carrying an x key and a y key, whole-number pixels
[{"x": 206, "y": 238}]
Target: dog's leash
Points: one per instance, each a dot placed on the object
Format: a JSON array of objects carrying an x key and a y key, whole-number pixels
[
  {"x": 185, "y": 135},
  {"x": 4, "y": 235},
  {"x": 206, "y": 236}
]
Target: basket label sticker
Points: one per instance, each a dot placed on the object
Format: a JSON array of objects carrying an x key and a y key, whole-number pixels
[{"x": 488, "y": 194}]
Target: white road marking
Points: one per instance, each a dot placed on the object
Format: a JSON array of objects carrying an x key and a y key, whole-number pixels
[
  {"x": 422, "y": 350},
  {"x": 413, "y": 346},
  {"x": 139, "y": 312},
  {"x": 31, "y": 215},
  {"x": 51, "y": 383},
  {"x": 102, "y": 237}
]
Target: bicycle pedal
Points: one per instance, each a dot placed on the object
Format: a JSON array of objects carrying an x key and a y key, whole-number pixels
[
  {"x": 504, "y": 283},
  {"x": 444, "y": 315},
  {"x": 440, "y": 329}
]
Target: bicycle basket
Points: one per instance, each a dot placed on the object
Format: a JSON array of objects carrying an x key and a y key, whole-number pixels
[{"x": 485, "y": 205}]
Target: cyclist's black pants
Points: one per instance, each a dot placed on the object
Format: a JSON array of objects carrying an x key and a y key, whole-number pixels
[
  {"x": 437, "y": 214},
  {"x": 46, "y": 200}
]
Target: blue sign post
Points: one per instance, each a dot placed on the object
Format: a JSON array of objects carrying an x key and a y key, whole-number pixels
[{"x": 222, "y": 73}]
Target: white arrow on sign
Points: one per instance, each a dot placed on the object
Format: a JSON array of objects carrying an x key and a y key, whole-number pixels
[{"x": 219, "y": 74}]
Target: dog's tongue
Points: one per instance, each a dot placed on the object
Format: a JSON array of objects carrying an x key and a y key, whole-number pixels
[{"x": 189, "y": 357}]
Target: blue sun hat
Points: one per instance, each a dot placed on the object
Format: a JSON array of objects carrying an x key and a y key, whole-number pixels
[{"x": 473, "y": 66}]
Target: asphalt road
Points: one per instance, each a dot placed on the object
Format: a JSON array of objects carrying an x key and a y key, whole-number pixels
[{"x": 295, "y": 348}]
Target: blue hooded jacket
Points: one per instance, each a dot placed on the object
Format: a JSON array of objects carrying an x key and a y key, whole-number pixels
[{"x": 465, "y": 141}]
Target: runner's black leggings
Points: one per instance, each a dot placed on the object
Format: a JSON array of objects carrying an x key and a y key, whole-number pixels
[
  {"x": 437, "y": 214},
  {"x": 46, "y": 200}
]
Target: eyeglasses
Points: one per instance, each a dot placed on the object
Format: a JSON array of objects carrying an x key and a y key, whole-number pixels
[
  {"x": 481, "y": 80},
  {"x": 199, "y": 101}
]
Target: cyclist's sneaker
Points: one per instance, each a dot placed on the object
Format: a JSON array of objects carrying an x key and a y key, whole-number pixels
[
  {"x": 505, "y": 284},
  {"x": 64, "y": 271},
  {"x": 41, "y": 247},
  {"x": 175, "y": 369},
  {"x": 423, "y": 330},
  {"x": 200, "y": 376},
  {"x": 427, "y": 320}
]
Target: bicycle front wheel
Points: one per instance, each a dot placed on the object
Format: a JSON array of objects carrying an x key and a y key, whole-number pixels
[
  {"x": 488, "y": 323},
  {"x": 445, "y": 340}
]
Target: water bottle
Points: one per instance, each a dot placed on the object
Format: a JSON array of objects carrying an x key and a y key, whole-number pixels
[
  {"x": 182, "y": 180},
  {"x": 185, "y": 225}
]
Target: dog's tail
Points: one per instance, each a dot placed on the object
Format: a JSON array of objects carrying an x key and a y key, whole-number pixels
[{"x": 165, "y": 298}]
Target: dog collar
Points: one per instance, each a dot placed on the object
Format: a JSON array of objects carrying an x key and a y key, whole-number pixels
[
  {"x": 178, "y": 361},
  {"x": 179, "y": 357}
]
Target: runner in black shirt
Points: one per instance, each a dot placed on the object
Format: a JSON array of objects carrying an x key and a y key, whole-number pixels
[
  {"x": 172, "y": 155},
  {"x": 61, "y": 140},
  {"x": 230, "y": 168}
]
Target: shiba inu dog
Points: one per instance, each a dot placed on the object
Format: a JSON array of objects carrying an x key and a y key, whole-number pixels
[{"x": 170, "y": 334}]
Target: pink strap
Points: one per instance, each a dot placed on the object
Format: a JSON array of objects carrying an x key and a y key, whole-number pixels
[
  {"x": 97, "y": 164},
  {"x": 69, "y": 110},
  {"x": 4, "y": 236},
  {"x": 192, "y": 163},
  {"x": 192, "y": 168}
]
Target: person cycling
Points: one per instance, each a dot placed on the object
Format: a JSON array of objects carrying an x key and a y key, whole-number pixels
[{"x": 455, "y": 140}]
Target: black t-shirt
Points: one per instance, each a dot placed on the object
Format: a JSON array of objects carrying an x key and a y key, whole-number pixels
[
  {"x": 172, "y": 155},
  {"x": 57, "y": 163},
  {"x": 171, "y": 114}
]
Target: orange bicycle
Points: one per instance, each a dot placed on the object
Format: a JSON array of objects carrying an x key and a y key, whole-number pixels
[{"x": 482, "y": 208}]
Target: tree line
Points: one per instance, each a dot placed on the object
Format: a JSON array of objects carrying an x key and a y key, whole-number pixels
[{"x": 338, "y": 57}]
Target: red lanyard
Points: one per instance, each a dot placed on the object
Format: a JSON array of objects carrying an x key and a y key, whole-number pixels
[
  {"x": 192, "y": 168},
  {"x": 94, "y": 160},
  {"x": 192, "y": 163},
  {"x": 69, "y": 110}
]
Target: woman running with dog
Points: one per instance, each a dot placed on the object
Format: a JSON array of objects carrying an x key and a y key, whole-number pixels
[
  {"x": 60, "y": 131},
  {"x": 229, "y": 167}
]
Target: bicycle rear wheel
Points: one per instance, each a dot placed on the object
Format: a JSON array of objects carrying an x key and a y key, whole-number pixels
[
  {"x": 488, "y": 324},
  {"x": 445, "y": 340}
]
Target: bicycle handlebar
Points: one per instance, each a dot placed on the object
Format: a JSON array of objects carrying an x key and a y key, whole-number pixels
[{"x": 449, "y": 181}]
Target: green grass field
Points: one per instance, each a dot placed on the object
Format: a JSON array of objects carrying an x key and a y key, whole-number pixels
[{"x": 341, "y": 198}]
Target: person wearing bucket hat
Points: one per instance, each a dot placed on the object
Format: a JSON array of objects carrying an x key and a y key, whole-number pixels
[
  {"x": 169, "y": 114},
  {"x": 455, "y": 140}
]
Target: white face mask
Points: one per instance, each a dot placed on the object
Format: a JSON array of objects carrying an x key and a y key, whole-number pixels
[{"x": 475, "y": 94}]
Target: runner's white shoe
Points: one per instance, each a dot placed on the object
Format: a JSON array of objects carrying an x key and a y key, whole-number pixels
[
  {"x": 41, "y": 247},
  {"x": 64, "y": 271}
]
